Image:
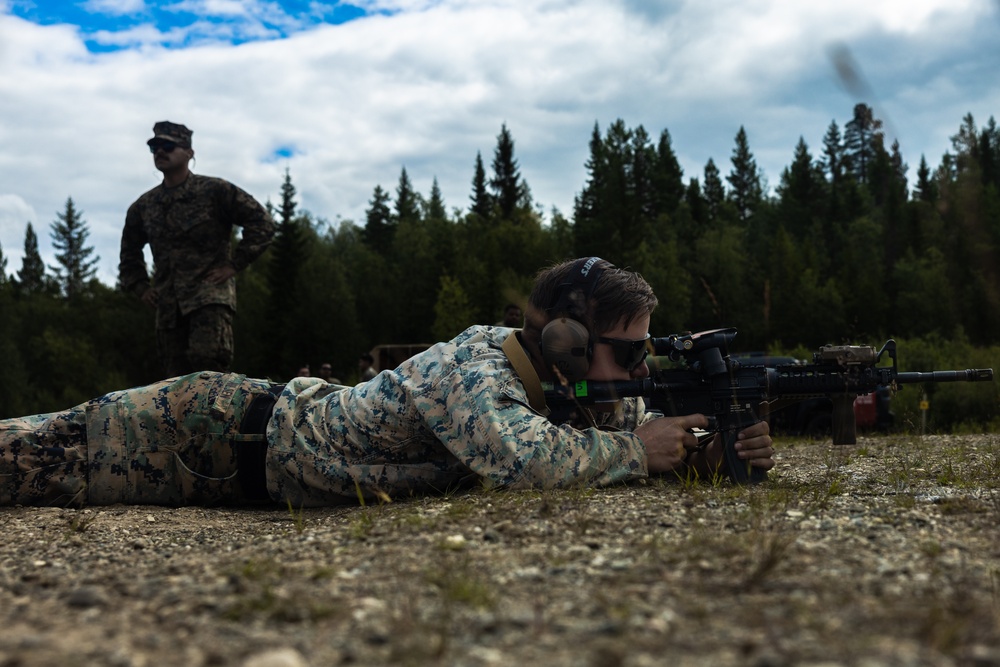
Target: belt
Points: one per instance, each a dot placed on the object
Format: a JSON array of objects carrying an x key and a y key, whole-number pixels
[{"x": 250, "y": 454}]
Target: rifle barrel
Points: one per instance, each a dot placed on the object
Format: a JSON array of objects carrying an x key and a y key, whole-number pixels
[{"x": 968, "y": 375}]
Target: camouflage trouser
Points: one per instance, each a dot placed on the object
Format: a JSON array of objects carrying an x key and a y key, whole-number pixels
[
  {"x": 202, "y": 339},
  {"x": 169, "y": 443}
]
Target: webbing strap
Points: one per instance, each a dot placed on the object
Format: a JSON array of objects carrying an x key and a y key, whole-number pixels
[{"x": 526, "y": 372}]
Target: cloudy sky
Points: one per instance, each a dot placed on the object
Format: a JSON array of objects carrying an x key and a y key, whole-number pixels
[{"x": 346, "y": 95}]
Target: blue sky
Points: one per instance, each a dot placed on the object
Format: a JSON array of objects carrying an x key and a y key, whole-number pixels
[
  {"x": 111, "y": 25},
  {"x": 344, "y": 96}
]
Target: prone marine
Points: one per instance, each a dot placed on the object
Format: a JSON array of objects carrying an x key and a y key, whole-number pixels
[{"x": 466, "y": 412}]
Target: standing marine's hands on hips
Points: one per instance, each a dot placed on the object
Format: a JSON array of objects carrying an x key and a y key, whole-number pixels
[
  {"x": 220, "y": 274},
  {"x": 150, "y": 297}
]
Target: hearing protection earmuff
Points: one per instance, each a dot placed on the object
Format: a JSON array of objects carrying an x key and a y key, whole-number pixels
[{"x": 566, "y": 342}]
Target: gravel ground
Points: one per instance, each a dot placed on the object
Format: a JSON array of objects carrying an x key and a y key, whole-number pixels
[{"x": 883, "y": 553}]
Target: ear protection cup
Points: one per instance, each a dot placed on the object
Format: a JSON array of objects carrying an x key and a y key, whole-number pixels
[
  {"x": 565, "y": 340},
  {"x": 566, "y": 345}
]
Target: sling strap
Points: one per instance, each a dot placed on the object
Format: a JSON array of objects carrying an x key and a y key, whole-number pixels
[{"x": 526, "y": 372}]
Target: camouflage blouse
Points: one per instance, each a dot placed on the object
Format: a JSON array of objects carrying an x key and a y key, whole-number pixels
[
  {"x": 189, "y": 230},
  {"x": 450, "y": 417}
]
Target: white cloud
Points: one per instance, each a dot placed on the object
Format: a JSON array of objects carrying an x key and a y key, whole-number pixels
[
  {"x": 148, "y": 36},
  {"x": 251, "y": 11},
  {"x": 30, "y": 49},
  {"x": 230, "y": 8},
  {"x": 115, "y": 7},
  {"x": 429, "y": 85},
  {"x": 392, "y": 6}
]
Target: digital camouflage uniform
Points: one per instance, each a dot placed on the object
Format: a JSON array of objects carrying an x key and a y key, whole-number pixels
[
  {"x": 169, "y": 443},
  {"x": 189, "y": 231},
  {"x": 450, "y": 417}
]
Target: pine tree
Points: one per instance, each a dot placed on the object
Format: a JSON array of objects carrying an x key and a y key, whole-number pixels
[
  {"x": 588, "y": 232},
  {"x": 379, "y": 225},
  {"x": 714, "y": 190},
  {"x": 435, "y": 205},
  {"x": 966, "y": 145},
  {"x": 835, "y": 160},
  {"x": 482, "y": 203},
  {"x": 926, "y": 189},
  {"x": 801, "y": 192},
  {"x": 619, "y": 204},
  {"x": 696, "y": 202},
  {"x": 287, "y": 256},
  {"x": 69, "y": 236},
  {"x": 989, "y": 154},
  {"x": 407, "y": 201},
  {"x": 863, "y": 138},
  {"x": 31, "y": 278},
  {"x": 746, "y": 190},
  {"x": 837, "y": 167},
  {"x": 509, "y": 191},
  {"x": 668, "y": 180},
  {"x": 640, "y": 194},
  {"x": 651, "y": 195},
  {"x": 287, "y": 198},
  {"x": 899, "y": 169}
]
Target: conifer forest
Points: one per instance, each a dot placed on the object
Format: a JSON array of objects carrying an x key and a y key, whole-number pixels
[{"x": 851, "y": 245}]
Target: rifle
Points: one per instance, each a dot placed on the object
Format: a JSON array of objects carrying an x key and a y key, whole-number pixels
[{"x": 732, "y": 394}]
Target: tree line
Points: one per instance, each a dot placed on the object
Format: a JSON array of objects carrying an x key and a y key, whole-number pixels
[{"x": 844, "y": 248}]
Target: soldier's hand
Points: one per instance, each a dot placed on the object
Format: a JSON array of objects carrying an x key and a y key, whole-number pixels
[
  {"x": 220, "y": 274},
  {"x": 753, "y": 444},
  {"x": 668, "y": 439},
  {"x": 150, "y": 297}
]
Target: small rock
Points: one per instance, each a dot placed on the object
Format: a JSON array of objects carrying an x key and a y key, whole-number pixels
[
  {"x": 282, "y": 657},
  {"x": 455, "y": 542},
  {"x": 86, "y": 597}
]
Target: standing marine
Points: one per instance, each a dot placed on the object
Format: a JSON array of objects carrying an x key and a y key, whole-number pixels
[{"x": 187, "y": 221}]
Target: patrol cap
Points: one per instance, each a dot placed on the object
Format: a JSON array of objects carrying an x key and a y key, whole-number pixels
[{"x": 175, "y": 132}]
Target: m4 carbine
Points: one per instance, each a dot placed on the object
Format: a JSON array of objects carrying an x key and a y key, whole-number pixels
[{"x": 733, "y": 395}]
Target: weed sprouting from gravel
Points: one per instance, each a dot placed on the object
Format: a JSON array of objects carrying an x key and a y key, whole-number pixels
[
  {"x": 457, "y": 581},
  {"x": 298, "y": 518},
  {"x": 81, "y": 520}
]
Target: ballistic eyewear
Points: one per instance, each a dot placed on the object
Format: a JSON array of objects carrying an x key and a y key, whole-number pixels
[
  {"x": 628, "y": 353},
  {"x": 165, "y": 146}
]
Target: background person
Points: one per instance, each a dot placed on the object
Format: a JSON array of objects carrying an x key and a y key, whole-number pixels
[
  {"x": 512, "y": 317},
  {"x": 366, "y": 370},
  {"x": 187, "y": 221}
]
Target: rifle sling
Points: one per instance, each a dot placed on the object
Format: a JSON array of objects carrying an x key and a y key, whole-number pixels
[{"x": 526, "y": 372}]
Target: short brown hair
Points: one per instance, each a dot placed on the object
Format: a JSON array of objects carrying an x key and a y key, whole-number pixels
[{"x": 619, "y": 296}]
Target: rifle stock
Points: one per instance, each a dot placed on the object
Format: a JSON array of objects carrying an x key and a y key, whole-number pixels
[{"x": 733, "y": 395}]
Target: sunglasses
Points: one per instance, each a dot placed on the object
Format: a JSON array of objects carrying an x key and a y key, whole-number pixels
[
  {"x": 165, "y": 146},
  {"x": 628, "y": 353}
]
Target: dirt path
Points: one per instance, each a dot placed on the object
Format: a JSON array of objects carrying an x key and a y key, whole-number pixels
[{"x": 885, "y": 553}]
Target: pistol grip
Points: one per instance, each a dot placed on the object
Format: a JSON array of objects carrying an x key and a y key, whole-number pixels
[
  {"x": 845, "y": 428},
  {"x": 740, "y": 470}
]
